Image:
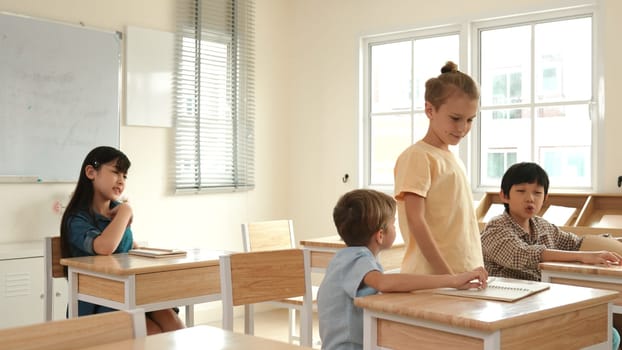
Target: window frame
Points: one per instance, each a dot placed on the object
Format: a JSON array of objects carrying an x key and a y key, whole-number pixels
[
  {"x": 365, "y": 92},
  {"x": 469, "y": 149},
  {"x": 596, "y": 113}
]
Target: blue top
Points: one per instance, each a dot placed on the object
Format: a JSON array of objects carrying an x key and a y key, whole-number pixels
[
  {"x": 84, "y": 227},
  {"x": 341, "y": 322}
]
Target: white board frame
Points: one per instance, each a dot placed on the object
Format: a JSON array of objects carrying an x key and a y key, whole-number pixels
[{"x": 60, "y": 93}]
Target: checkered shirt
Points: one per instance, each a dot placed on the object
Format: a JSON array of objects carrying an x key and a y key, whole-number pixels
[{"x": 511, "y": 252}]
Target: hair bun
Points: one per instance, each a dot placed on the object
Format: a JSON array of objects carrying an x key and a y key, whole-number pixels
[{"x": 449, "y": 67}]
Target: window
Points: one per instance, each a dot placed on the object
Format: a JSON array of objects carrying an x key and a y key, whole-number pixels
[
  {"x": 214, "y": 97},
  {"x": 397, "y": 69},
  {"x": 537, "y": 102},
  {"x": 537, "y": 96},
  {"x": 498, "y": 161}
]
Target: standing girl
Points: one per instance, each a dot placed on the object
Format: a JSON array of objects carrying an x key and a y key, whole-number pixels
[
  {"x": 96, "y": 223},
  {"x": 435, "y": 205}
]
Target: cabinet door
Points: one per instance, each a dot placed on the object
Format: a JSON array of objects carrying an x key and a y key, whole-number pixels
[
  {"x": 59, "y": 308},
  {"x": 21, "y": 291}
]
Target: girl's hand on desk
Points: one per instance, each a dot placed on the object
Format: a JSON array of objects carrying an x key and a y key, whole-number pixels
[{"x": 471, "y": 279}]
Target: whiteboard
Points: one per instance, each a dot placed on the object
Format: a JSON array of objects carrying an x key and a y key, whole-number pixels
[{"x": 59, "y": 96}]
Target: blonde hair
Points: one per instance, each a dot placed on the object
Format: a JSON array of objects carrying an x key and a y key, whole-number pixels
[{"x": 451, "y": 80}]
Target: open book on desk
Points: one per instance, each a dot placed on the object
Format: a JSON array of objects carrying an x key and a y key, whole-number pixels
[
  {"x": 502, "y": 289},
  {"x": 157, "y": 252}
]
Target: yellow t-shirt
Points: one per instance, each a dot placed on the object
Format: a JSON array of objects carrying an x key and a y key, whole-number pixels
[{"x": 439, "y": 177}]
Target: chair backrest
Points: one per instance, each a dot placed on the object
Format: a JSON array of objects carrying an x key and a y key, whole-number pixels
[
  {"x": 76, "y": 333},
  {"x": 268, "y": 235},
  {"x": 53, "y": 246},
  {"x": 254, "y": 277},
  {"x": 53, "y": 269}
]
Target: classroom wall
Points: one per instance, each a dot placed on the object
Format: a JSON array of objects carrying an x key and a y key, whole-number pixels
[
  {"x": 324, "y": 44},
  {"x": 307, "y": 115},
  {"x": 307, "y": 122},
  {"x": 161, "y": 218}
]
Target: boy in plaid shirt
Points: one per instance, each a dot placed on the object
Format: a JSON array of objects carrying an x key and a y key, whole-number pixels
[{"x": 515, "y": 242}]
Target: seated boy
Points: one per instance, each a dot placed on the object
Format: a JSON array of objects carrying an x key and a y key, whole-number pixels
[
  {"x": 365, "y": 220},
  {"x": 515, "y": 242}
]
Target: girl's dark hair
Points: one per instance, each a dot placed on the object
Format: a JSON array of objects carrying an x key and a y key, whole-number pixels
[
  {"x": 520, "y": 173},
  {"x": 361, "y": 213},
  {"x": 82, "y": 197},
  {"x": 438, "y": 89}
]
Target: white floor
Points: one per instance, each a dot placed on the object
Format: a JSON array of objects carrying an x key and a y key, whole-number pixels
[{"x": 271, "y": 324}]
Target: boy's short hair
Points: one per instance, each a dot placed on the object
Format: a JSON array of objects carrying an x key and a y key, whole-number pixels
[
  {"x": 525, "y": 172},
  {"x": 360, "y": 213}
]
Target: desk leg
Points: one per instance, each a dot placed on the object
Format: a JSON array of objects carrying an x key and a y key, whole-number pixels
[
  {"x": 189, "y": 315},
  {"x": 610, "y": 327},
  {"x": 370, "y": 331},
  {"x": 249, "y": 319},
  {"x": 73, "y": 293}
]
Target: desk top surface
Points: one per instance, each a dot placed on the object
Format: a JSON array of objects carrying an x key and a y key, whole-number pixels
[
  {"x": 125, "y": 264},
  {"x": 335, "y": 241},
  {"x": 486, "y": 315},
  {"x": 199, "y": 337},
  {"x": 583, "y": 268}
]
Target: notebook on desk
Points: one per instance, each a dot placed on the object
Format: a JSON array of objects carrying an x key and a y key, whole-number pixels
[
  {"x": 157, "y": 252},
  {"x": 502, "y": 289}
]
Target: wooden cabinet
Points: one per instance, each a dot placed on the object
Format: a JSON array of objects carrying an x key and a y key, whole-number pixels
[
  {"x": 602, "y": 211},
  {"x": 578, "y": 213},
  {"x": 22, "y": 285}
]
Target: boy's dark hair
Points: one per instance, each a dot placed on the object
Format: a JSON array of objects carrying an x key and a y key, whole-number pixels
[
  {"x": 82, "y": 197},
  {"x": 361, "y": 213},
  {"x": 520, "y": 173}
]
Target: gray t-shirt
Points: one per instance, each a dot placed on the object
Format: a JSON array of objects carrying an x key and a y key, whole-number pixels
[{"x": 341, "y": 323}]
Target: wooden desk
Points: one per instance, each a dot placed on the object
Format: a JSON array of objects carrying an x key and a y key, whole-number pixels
[
  {"x": 199, "y": 337},
  {"x": 126, "y": 282},
  {"x": 584, "y": 275},
  {"x": 562, "y": 317},
  {"x": 324, "y": 248}
]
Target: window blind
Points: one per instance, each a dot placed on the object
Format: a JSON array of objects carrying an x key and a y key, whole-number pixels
[{"x": 214, "y": 95}]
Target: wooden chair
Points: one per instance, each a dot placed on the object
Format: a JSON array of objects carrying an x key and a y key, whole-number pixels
[
  {"x": 268, "y": 235},
  {"x": 273, "y": 235},
  {"x": 53, "y": 269},
  {"x": 254, "y": 277},
  {"x": 76, "y": 333}
]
